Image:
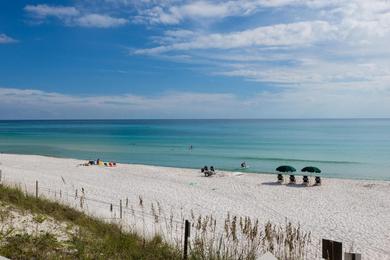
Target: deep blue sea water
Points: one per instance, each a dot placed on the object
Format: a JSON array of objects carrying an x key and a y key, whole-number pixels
[{"x": 341, "y": 148}]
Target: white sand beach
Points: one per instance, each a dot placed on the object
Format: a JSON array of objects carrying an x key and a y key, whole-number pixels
[{"x": 355, "y": 212}]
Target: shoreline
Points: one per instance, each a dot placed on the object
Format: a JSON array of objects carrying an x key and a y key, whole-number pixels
[
  {"x": 355, "y": 212},
  {"x": 298, "y": 173}
]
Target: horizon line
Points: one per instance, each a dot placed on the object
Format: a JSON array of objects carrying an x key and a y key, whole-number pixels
[{"x": 184, "y": 119}]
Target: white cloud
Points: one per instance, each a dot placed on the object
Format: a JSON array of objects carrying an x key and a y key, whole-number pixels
[
  {"x": 356, "y": 22},
  {"x": 326, "y": 46},
  {"x": 156, "y": 15},
  {"x": 43, "y": 11},
  {"x": 100, "y": 21},
  {"x": 300, "y": 33},
  {"x": 318, "y": 74},
  {"x": 71, "y": 16},
  {"x": 174, "y": 12},
  {"x": 6, "y": 39}
]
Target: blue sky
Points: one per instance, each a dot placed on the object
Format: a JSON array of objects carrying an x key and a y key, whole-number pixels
[{"x": 194, "y": 59}]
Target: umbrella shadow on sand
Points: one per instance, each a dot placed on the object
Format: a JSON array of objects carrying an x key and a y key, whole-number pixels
[
  {"x": 271, "y": 183},
  {"x": 293, "y": 185}
]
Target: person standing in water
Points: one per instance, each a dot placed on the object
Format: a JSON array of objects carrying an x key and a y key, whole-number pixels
[{"x": 243, "y": 164}]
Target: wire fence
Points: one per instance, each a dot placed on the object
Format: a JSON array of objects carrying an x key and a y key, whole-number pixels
[{"x": 146, "y": 218}]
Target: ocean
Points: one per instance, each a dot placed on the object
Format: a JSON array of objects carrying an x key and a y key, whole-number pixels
[{"x": 354, "y": 149}]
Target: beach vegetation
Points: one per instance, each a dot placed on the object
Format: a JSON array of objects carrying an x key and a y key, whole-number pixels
[
  {"x": 235, "y": 237},
  {"x": 92, "y": 239}
]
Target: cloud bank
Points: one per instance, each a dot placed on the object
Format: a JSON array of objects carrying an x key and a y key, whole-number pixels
[
  {"x": 315, "y": 103},
  {"x": 332, "y": 45}
]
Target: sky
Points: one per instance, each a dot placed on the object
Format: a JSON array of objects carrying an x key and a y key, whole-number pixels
[{"x": 92, "y": 59}]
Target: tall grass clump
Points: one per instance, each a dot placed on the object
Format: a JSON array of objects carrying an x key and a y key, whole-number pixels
[{"x": 246, "y": 238}]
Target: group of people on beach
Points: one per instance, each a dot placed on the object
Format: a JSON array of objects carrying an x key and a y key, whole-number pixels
[
  {"x": 100, "y": 163},
  {"x": 208, "y": 172}
]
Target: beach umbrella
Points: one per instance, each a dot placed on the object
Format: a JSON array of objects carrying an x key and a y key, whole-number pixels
[
  {"x": 285, "y": 168},
  {"x": 311, "y": 169}
]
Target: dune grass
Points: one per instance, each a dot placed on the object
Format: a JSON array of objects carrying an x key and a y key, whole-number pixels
[
  {"x": 239, "y": 238},
  {"x": 94, "y": 239}
]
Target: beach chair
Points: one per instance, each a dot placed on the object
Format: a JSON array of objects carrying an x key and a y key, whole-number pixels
[
  {"x": 306, "y": 181},
  {"x": 207, "y": 173},
  {"x": 318, "y": 180},
  {"x": 292, "y": 179},
  {"x": 280, "y": 178},
  {"x": 212, "y": 170}
]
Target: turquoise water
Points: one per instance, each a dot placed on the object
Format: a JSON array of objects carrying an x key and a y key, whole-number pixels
[{"x": 341, "y": 148}]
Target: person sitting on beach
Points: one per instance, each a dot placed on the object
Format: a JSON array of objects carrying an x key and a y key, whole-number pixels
[
  {"x": 212, "y": 168},
  {"x": 85, "y": 164}
]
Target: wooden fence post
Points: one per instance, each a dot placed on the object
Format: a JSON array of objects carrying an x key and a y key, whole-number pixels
[
  {"x": 120, "y": 209},
  {"x": 186, "y": 236},
  {"x": 0, "y": 176},
  {"x": 127, "y": 202},
  {"x": 36, "y": 189}
]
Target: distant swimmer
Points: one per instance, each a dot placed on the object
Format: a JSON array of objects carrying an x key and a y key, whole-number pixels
[
  {"x": 190, "y": 148},
  {"x": 243, "y": 165}
]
